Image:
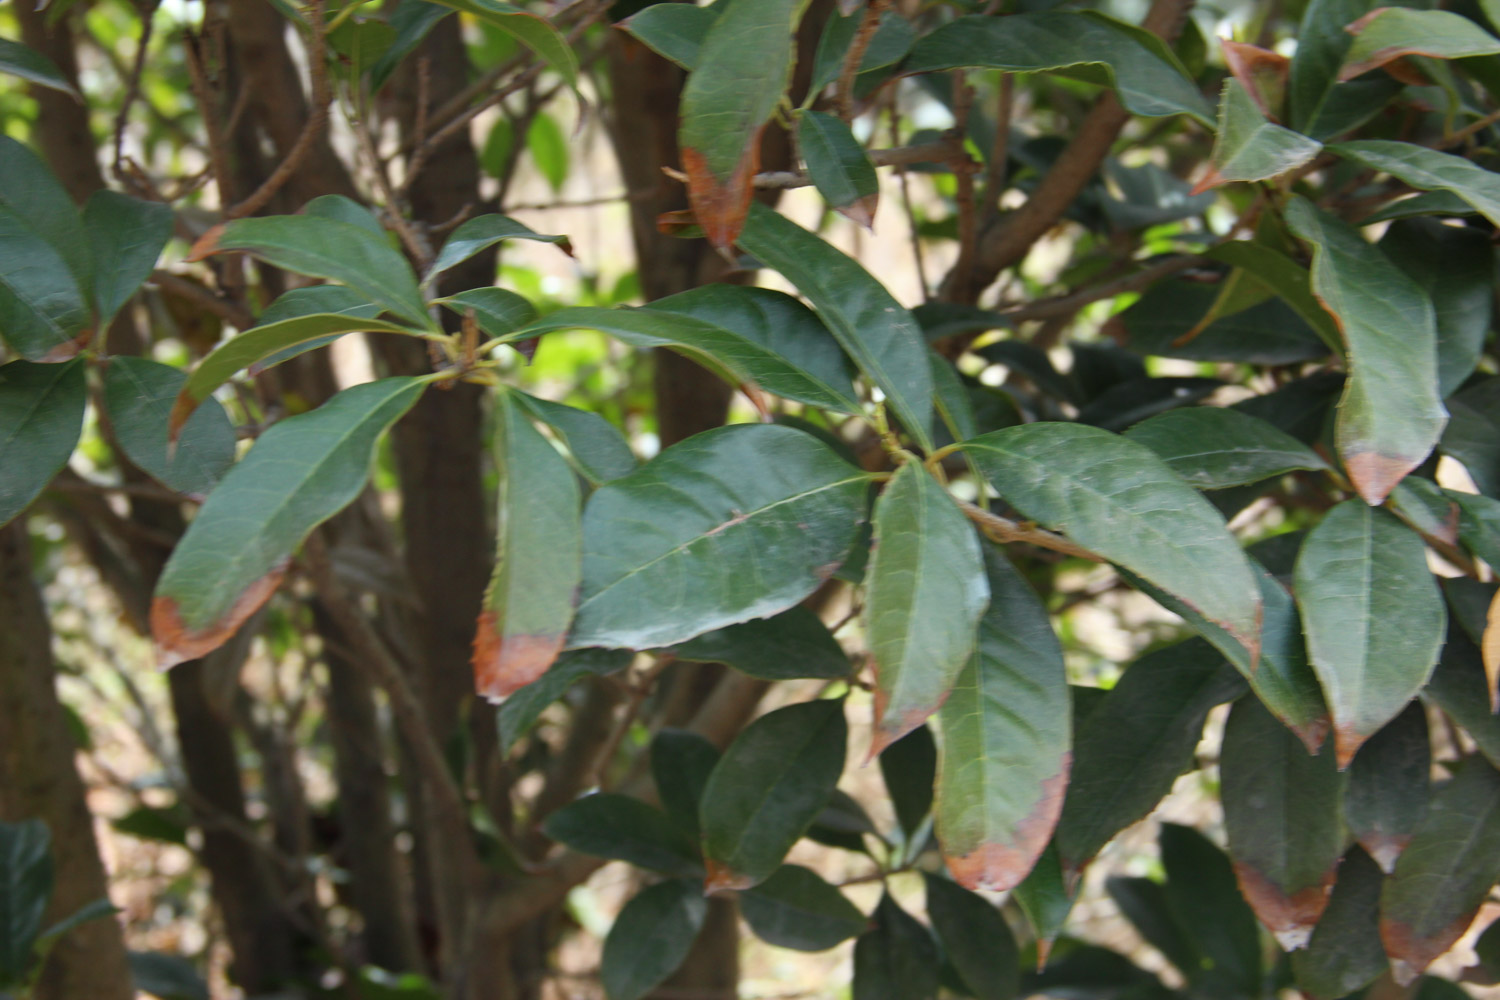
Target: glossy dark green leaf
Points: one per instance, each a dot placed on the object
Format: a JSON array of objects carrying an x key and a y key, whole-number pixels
[
  {"x": 32, "y": 66},
  {"x": 1212, "y": 447},
  {"x": 1473, "y": 433},
  {"x": 1147, "y": 726},
  {"x": 926, "y": 589},
  {"x": 673, "y": 31},
  {"x": 1279, "y": 275},
  {"x": 1081, "y": 45},
  {"x": 528, "y": 605},
  {"x": 743, "y": 68},
  {"x": 481, "y": 233},
  {"x": 26, "y": 877},
  {"x": 792, "y": 644},
  {"x": 842, "y": 824},
  {"x": 1373, "y": 617},
  {"x": 1345, "y": 953},
  {"x": 1478, "y": 524},
  {"x": 909, "y": 769},
  {"x": 1390, "y": 415},
  {"x": 127, "y": 236},
  {"x": 1090, "y": 972},
  {"x": 171, "y": 977},
  {"x": 1320, "y": 106},
  {"x": 1429, "y": 170},
  {"x": 876, "y": 331},
  {"x": 41, "y": 416},
  {"x": 1116, "y": 497},
  {"x": 1388, "y": 786},
  {"x": 1046, "y": 897},
  {"x": 1455, "y": 266},
  {"x": 342, "y": 209},
  {"x": 622, "y": 828},
  {"x": 794, "y": 908},
  {"x": 839, "y": 166},
  {"x": 1006, "y": 732},
  {"x": 1282, "y": 816},
  {"x": 770, "y": 785},
  {"x": 44, "y": 313},
  {"x": 650, "y": 938},
  {"x": 898, "y": 960},
  {"x": 681, "y": 762},
  {"x": 412, "y": 21},
  {"x": 1396, "y": 32},
  {"x": 30, "y": 190},
  {"x": 1249, "y": 147},
  {"x": 736, "y": 523},
  {"x": 1439, "y": 203},
  {"x": 321, "y": 247},
  {"x": 1130, "y": 402},
  {"x": 531, "y": 30},
  {"x": 597, "y": 448},
  {"x": 1206, "y": 903},
  {"x": 522, "y": 709},
  {"x": 1445, "y": 873},
  {"x": 138, "y": 397},
  {"x": 301, "y": 472},
  {"x": 168, "y": 826},
  {"x": 1144, "y": 903},
  {"x": 975, "y": 938}
]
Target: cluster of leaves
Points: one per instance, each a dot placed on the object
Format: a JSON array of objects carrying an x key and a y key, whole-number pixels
[{"x": 1366, "y": 362}]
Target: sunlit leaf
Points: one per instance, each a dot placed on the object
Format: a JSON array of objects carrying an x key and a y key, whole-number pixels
[{"x": 1429, "y": 170}]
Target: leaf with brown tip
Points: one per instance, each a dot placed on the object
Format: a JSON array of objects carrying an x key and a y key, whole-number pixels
[
  {"x": 1262, "y": 72},
  {"x": 1386, "y": 34}
]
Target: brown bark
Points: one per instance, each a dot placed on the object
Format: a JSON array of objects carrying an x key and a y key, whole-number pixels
[
  {"x": 38, "y": 780},
  {"x": 63, "y": 123}
]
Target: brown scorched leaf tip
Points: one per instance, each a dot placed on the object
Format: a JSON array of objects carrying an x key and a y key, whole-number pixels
[
  {"x": 995, "y": 866},
  {"x": 721, "y": 206},
  {"x": 1290, "y": 919},
  {"x": 503, "y": 664},
  {"x": 176, "y": 643}
]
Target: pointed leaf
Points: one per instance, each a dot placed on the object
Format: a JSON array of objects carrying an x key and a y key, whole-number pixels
[
  {"x": 674, "y": 31},
  {"x": 41, "y": 416},
  {"x": 1373, "y": 616},
  {"x": 481, "y": 233},
  {"x": 1280, "y": 275},
  {"x": 650, "y": 938},
  {"x": 839, "y": 167},
  {"x": 1006, "y": 730},
  {"x": 1429, "y": 170},
  {"x": 1148, "y": 727},
  {"x": 531, "y": 30},
  {"x": 170, "y": 977},
  {"x": 768, "y": 788},
  {"x": 1445, "y": 873},
  {"x": 1213, "y": 448},
  {"x": 1388, "y": 787},
  {"x": 744, "y": 66},
  {"x": 1455, "y": 266},
  {"x": 891, "y": 41},
  {"x": 321, "y": 247},
  {"x": 975, "y": 938},
  {"x": 1205, "y": 901},
  {"x": 31, "y": 65},
  {"x": 1390, "y": 415},
  {"x": 909, "y": 769},
  {"x": 681, "y": 762},
  {"x": 736, "y": 523},
  {"x": 1081, "y": 45},
  {"x": 597, "y": 447},
  {"x": 26, "y": 876},
  {"x": 792, "y": 644},
  {"x": 1439, "y": 203},
  {"x": 926, "y": 591},
  {"x": 898, "y": 960},
  {"x": 1046, "y": 896},
  {"x": 1458, "y": 687},
  {"x": 876, "y": 331},
  {"x": 1263, "y": 74},
  {"x": 1319, "y": 105},
  {"x": 1389, "y": 33},
  {"x": 1144, "y": 903},
  {"x": 538, "y": 560},
  {"x": 43, "y": 311},
  {"x": 308, "y": 301},
  {"x": 341, "y": 209},
  {"x": 1250, "y": 148},
  {"x": 1345, "y": 953},
  {"x": 522, "y": 709},
  {"x": 97, "y": 910},
  {"x": 127, "y": 236},
  {"x": 1116, "y": 497},
  {"x": 1281, "y": 812},
  {"x": 301, "y": 472},
  {"x": 624, "y": 829},
  {"x": 138, "y": 396},
  {"x": 794, "y": 908}
]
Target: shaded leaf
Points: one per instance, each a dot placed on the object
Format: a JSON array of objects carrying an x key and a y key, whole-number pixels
[
  {"x": 41, "y": 416},
  {"x": 622, "y": 828},
  {"x": 32, "y": 66},
  {"x": 522, "y": 709},
  {"x": 138, "y": 396},
  {"x": 167, "y": 977},
  {"x": 1144, "y": 903},
  {"x": 596, "y": 446},
  {"x": 531, "y": 30},
  {"x": 765, "y": 792},
  {"x": 1046, "y": 896},
  {"x": 30, "y": 190},
  {"x": 1319, "y": 105},
  {"x": 839, "y": 166},
  {"x": 1429, "y": 170},
  {"x": 1213, "y": 448},
  {"x": 127, "y": 236},
  {"x": 342, "y": 209},
  {"x": 1345, "y": 953},
  {"x": 792, "y": 644},
  {"x": 1248, "y": 146},
  {"x": 681, "y": 762},
  {"x": 43, "y": 311},
  {"x": 1439, "y": 203},
  {"x": 909, "y": 769},
  {"x": 479, "y": 234},
  {"x": 674, "y": 31},
  {"x": 975, "y": 938},
  {"x": 794, "y": 908},
  {"x": 1205, "y": 901},
  {"x": 1159, "y": 322},
  {"x": 1373, "y": 617},
  {"x": 1388, "y": 786},
  {"x": 1459, "y": 688},
  {"x": 1455, "y": 267},
  {"x": 892, "y": 40},
  {"x": 498, "y": 311},
  {"x": 842, "y": 824},
  {"x": 1127, "y": 403},
  {"x": 1388, "y": 33},
  {"x": 411, "y": 20},
  {"x": 308, "y": 301},
  {"x": 301, "y": 472},
  {"x": 897, "y": 960},
  {"x": 1279, "y": 275},
  {"x": 650, "y": 938},
  {"x": 26, "y": 878}
]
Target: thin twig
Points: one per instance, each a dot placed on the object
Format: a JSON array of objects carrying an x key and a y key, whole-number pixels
[
  {"x": 133, "y": 83},
  {"x": 218, "y": 153},
  {"x": 963, "y": 170},
  {"x": 858, "y": 46},
  {"x": 226, "y": 309},
  {"x": 939, "y": 151},
  {"x": 906, "y": 203},
  {"x": 997, "y": 170},
  {"x": 1004, "y": 531},
  {"x": 415, "y": 245}
]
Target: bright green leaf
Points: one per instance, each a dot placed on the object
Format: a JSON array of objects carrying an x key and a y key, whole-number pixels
[{"x": 1396, "y": 32}]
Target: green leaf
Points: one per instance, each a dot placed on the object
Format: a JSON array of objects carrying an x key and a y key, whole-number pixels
[
  {"x": 1429, "y": 170},
  {"x": 321, "y": 247},
  {"x": 43, "y": 311},
  {"x": 41, "y": 416},
  {"x": 1080, "y": 45},
  {"x": 681, "y": 762},
  {"x": 412, "y": 20},
  {"x": 1213, "y": 448},
  {"x": 842, "y": 824},
  {"x": 891, "y": 42},
  {"x": 743, "y": 68},
  {"x": 260, "y": 344},
  {"x": 650, "y": 938},
  {"x": 1148, "y": 727},
  {"x": 171, "y": 977},
  {"x": 1473, "y": 434},
  {"x": 1459, "y": 687},
  {"x": 1046, "y": 896},
  {"x": 549, "y": 150},
  {"x": 794, "y": 908},
  {"x": 839, "y": 166},
  {"x": 522, "y": 709},
  {"x": 1116, "y": 497},
  {"x": 31, "y": 65},
  {"x": 765, "y": 792},
  {"x": 1270, "y": 333},
  {"x": 1250, "y": 148},
  {"x": 975, "y": 938},
  {"x": 481, "y": 233},
  {"x": 1320, "y": 106},
  {"x": 138, "y": 396},
  {"x": 498, "y": 311},
  {"x": 792, "y": 644},
  {"x": 876, "y": 331},
  {"x": 597, "y": 448},
  {"x": 736, "y": 523},
  {"x": 674, "y": 31},
  {"x": 1445, "y": 873},
  {"x": 1144, "y": 903},
  {"x": 301, "y": 472},
  {"x": 1439, "y": 203},
  {"x": 624, "y": 829},
  {"x": 1345, "y": 953},
  {"x": 169, "y": 825},
  {"x": 538, "y": 559},
  {"x": 1206, "y": 903},
  {"x": 1281, "y": 812},
  {"x": 30, "y": 190},
  {"x": 909, "y": 769},
  {"x": 127, "y": 236},
  {"x": 1390, "y": 415},
  {"x": 1005, "y": 739},
  {"x": 1389, "y": 33},
  {"x": 26, "y": 877},
  {"x": 926, "y": 590},
  {"x": 97, "y": 910},
  {"x": 897, "y": 960},
  {"x": 1277, "y": 274},
  {"x": 1373, "y": 616},
  {"x": 308, "y": 301},
  {"x": 531, "y": 30},
  {"x": 1388, "y": 786},
  {"x": 342, "y": 209},
  {"x": 742, "y": 360}
]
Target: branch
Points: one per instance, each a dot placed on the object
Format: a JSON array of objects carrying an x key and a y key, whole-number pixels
[
  {"x": 1004, "y": 531},
  {"x": 1069, "y": 303},
  {"x": 190, "y": 291},
  {"x": 844, "y": 95},
  {"x": 938, "y": 151}
]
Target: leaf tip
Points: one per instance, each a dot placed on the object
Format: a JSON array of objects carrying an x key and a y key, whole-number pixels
[
  {"x": 1411, "y": 952},
  {"x": 996, "y": 866},
  {"x": 862, "y": 211},
  {"x": 176, "y": 642},
  {"x": 1346, "y": 743},
  {"x": 503, "y": 664},
  {"x": 722, "y": 206},
  {"x": 1374, "y": 475},
  {"x": 1210, "y": 180},
  {"x": 1289, "y": 917},
  {"x": 722, "y": 878}
]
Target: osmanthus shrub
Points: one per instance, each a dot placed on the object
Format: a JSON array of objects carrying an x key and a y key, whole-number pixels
[{"x": 1286, "y": 501}]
